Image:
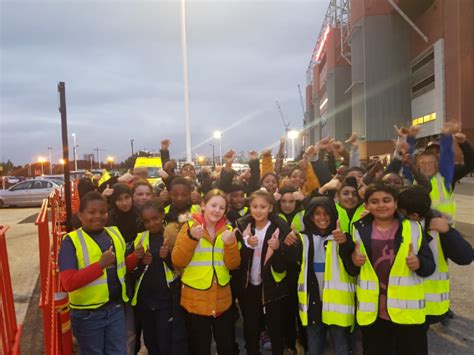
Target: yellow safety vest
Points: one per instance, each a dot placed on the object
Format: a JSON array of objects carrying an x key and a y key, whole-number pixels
[
  {"x": 441, "y": 199},
  {"x": 338, "y": 289},
  {"x": 192, "y": 209},
  {"x": 437, "y": 285},
  {"x": 344, "y": 222},
  {"x": 243, "y": 211},
  {"x": 297, "y": 220},
  {"x": 96, "y": 293},
  {"x": 207, "y": 261},
  {"x": 144, "y": 239},
  {"x": 405, "y": 293}
]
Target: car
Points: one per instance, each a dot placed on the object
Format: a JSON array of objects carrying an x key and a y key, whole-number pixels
[
  {"x": 28, "y": 193},
  {"x": 10, "y": 180}
]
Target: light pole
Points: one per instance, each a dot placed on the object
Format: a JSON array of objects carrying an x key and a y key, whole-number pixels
[
  {"x": 213, "y": 155},
  {"x": 187, "y": 124},
  {"x": 61, "y": 161},
  {"x": 293, "y": 135},
  {"x": 74, "y": 152},
  {"x": 218, "y": 135},
  {"x": 131, "y": 143},
  {"x": 110, "y": 160},
  {"x": 50, "y": 161},
  {"x": 41, "y": 160}
]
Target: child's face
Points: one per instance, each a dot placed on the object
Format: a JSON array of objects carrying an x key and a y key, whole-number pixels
[
  {"x": 94, "y": 216},
  {"x": 142, "y": 194},
  {"x": 297, "y": 179},
  {"x": 180, "y": 196},
  {"x": 260, "y": 209},
  {"x": 152, "y": 220},
  {"x": 381, "y": 205},
  {"x": 215, "y": 209},
  {"x": 237, "y": 199},
  {"x": 287, "y": 203},
  {"x": 124, "y": 202},
  {"x": 270, "y": 183},
  {"x": 321, "y": 218},
  {"x": 348, "y": 197},
  {"x": 394, "y": 180},
  {"x": 359, "y": 175}
]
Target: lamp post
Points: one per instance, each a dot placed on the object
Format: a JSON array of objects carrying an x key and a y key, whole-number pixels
[
  {"x": 61, "y": 161},
  {"x": 293, "y": 135},
  {"x": 218, "y": 135},
  {"x": 131, "y": 143},
  {"x": 213, "y": 155},
  {"x": 74, "y": 151},
  {"x": 50, "y": 161},
  {"x": 110, "y": 160},
  {"x": 41, "y": 160}
]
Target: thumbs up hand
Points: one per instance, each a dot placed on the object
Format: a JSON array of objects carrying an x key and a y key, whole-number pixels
[
  {"x": 164, "y": 251},
  {"x": 139, "y": 251},
  {"x": 412, "y": 260},
  {"x": 147, "y": 258},
  {"x": 274, "y": 242},
  {"x": 357, "y": 257},
  {"x": 277, "y": 195},
  {"x": 108, "y": 258},
  {"x": 228, "y": 237},
  {"x": 298, "y": 195},
  {"x": 249, "y": 239},
  {"x": 291, "y": 238},
  {"x": 338, "y": 235},
  {"x": 197, "y": 231},
  {"x": 107, "y": 192}
]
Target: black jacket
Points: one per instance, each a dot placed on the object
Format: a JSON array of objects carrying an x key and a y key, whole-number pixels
[
  {"x": 364, "y": 226},
  {"x": 272, "y": 291}
]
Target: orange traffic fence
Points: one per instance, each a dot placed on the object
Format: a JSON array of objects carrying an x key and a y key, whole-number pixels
[
  {"x": 53, "y": 301},
  {"x": 9, "y": 329}
]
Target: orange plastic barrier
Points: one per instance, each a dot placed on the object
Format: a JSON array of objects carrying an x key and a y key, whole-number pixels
[{"x": 10, "y": 331}]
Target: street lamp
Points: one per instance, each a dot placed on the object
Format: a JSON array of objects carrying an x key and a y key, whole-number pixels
[
  {"x": 213, "y": 156},
  {"x": 62, "y": 162},
  {"x": 50, "y": 161},
  {"x": 293, "y": 135},
  {"x": 218, "y": 135},
  {"x": 41, "y": 160},
  {"x": 110, "y": 160},
  {"x": 74, "y": 151}
]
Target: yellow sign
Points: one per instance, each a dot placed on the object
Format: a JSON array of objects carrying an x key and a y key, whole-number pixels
[{"x": 424, "y": 119}]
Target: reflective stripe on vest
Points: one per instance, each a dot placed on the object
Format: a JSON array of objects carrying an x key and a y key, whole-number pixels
[
  {"x": 170, "y": 275},
  {"x": 442, "y": 199},
  {"x": 338, "y": 290},
  {"x": 207, "y": 261},
  {"x": 243, "y": 211},
  {"x": 405, "y": 292},
  {"x": 437, "y": 285},
  {"x": 296, "y": 222},
  {"x": 344, "y": 222},
  {"x": 303, "y": 296},
  {"x": 96, "y": 293}
]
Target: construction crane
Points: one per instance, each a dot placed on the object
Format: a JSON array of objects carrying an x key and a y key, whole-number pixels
[
  {"x": 286, "y": 125},
  {"x": 304, "y": 116}
]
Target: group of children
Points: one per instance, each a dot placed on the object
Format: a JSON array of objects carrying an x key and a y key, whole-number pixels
[{"x": 304, "y": 252}]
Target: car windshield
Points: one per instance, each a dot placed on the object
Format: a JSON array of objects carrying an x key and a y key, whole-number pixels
[{"x": 153, "y": 172}]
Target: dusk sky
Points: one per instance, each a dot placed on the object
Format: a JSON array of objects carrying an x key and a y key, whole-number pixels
[{"x": 122, "y": 65}]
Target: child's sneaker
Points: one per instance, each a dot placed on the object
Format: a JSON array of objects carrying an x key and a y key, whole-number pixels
[{"x": 265, "y": 342}]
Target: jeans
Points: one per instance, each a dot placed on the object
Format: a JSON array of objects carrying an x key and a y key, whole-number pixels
[
  {"x": 100, "y": 331},
  {"x": 316, "y": 334}
]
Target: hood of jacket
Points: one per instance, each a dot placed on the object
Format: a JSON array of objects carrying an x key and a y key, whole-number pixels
[{"x": 328, "y": 204}]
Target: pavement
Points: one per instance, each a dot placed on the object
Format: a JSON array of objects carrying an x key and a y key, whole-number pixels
[{"x": 22, "y": 243}]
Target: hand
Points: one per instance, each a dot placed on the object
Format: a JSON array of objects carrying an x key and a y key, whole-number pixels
[
  {"x": 229, "y": 157},
  {"x": 311, "y": 151},
  {"x": 127, "y": 177},
  {"x": 165, "y": 144},
  {"x": 324, "y": 143},
  {"x": 266, "y": 153},
  {"x": 337, "y": 147},
  {"x": 439, "y": 224},
  {"x": 228, "y": 237},
  {"x": 303, "y": 163},
  {"x": 246, "y": 175},
  {"x": 353, "y": 139},
  {"x": 107, "y": 258},
  {"x": 277, "y": 195},
  {"x": 164, "y": 196},
  {"x": 412, "y": 260},
  {"x": 195, "y": 197},
  {"x": 253, "y": 155},
  {"x": 333, "y": 184},
  {"x": 357, "y": 257},
  {"x": 274, "y": 242},
  {"x": 460, "y": 137},
  {"x": 291, "y": 239},
  {"x": 147, "y": 258},
  {"x": 164, "y": 251},
  {"x": 338, "y": 235},
  {"x": 298, "y": 195},
  {"x": 139, "y": 251},
  {"x": 449, "y": 128},
  {"x": 197, "y": 231},
  {"x": 401, "y": 132},
  {"x": 414, "y": 130},
  {"x": 163, "y": 174},
  {"x": 402, "y": 147},
  {"x": 107, "y": 192}
]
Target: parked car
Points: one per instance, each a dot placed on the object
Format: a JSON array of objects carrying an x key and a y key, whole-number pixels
[
  {"x": 28, "y": 193},
  {"x": 10, "y": 180}
]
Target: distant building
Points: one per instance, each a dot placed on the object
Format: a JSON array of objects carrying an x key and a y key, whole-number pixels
[{"x": 378, "y": 63}]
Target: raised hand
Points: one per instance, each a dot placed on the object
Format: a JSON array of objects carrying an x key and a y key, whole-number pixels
[
  {"x": 460, "y": 137},
  {"x": 449, "y": 128},
  {"x": 253, "y": 155},
  {"x": 108, "y": 258},
  {"x": 337, "y": 146},
  {"x": 414, "y": 130},
  {"x": 107, "y": 192},
  {"x": 197, "y": 231},
  {"x": 357, "y": 257},
  {"x": 147, "y": 258},
  {"x": 338, "y": 235},
  {"x": 195, "y": 197},
  {"x": 228, "y": 237},
  {"x": 229, "y": 157},
  {"x": 412, "y": 260},
  {"x": 139, "y": 251},
  {"x": 439, "y": 224},
  {"x": 266, "y": 153},
  {"x": 401, "y": 132},
  {"x": 298, "y": 195},
  {"x": 274, "y": 242},
  {"x": 163, "y": 174},
  {"x": 277, "y": 195},
  {"x": 165, "y": 144},
  {"x": 164, "y": 251},
  {"x": 291, "y": 238},
  {"x": 353, "y": 138}
]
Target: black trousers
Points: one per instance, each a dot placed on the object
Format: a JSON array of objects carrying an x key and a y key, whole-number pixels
[
  {"x": 156, "y": 327},
  {"x": 201, "y": 329},
  {"x": 384, "y": 337},
  {"x": 253, "y": 312}
]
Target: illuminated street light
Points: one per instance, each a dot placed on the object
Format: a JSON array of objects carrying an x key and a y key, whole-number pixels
[
  {"x": 293, "y": 135},
  {"x": 41, "y": 160},
  {"x": 110, "y": 160},
  {"x": 74, "y": 150},
  {"x": 218, "y": 135}
]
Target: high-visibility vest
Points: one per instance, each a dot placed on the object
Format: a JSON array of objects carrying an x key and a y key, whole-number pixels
[
  {"x": 405, "y": 292},
  {"x": 96, "y": 293},
  {"x": 338, "y": 289},
  {"x": 207, "y": 261},
  {"x": 442, "y": 199},
  {"x": 344, "y": 222},
  {"x": 170, "y": 275},
  {"x": 437, "y": 285},
  {"x": 297, "y": 220},
  {"x": 192, "y": 209},
  {"x": 243, "y": 211}
]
